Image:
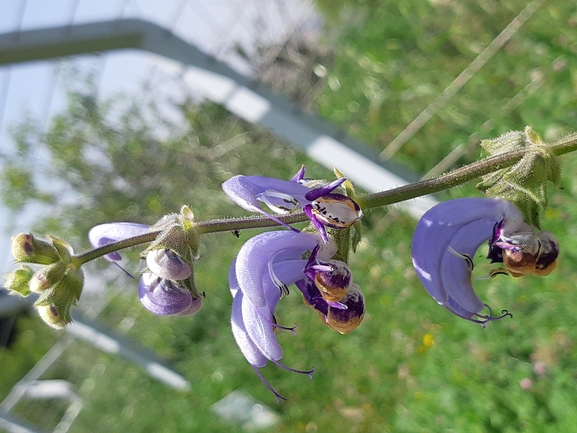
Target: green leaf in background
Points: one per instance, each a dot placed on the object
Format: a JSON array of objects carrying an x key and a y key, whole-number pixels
[{"x": 525, "y": 183}]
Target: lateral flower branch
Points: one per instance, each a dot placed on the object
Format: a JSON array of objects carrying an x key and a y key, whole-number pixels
[{"x": 314, "y": 259}]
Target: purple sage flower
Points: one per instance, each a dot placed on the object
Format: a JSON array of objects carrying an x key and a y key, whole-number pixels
[
  {"x": 260, "y": 275},
  {"x": 159, "y": 288},
  {"x": 323, "y": 207},
  {"x": 447, "y": 237}
]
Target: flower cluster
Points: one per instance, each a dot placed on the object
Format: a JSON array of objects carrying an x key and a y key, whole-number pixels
[
  {"x": 58, "y": 281},
  {"x": 448, "y": 235},
  {"x": 313, "y": 260},
  {"x": 166, "y": 286},
  {"x": 270, "y": 262}
]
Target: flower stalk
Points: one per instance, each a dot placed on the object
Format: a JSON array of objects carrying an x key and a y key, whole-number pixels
[{"x": 451, "y": 179}]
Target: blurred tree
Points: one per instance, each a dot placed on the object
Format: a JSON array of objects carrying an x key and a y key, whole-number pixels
[{"x": 122, "y": 160}]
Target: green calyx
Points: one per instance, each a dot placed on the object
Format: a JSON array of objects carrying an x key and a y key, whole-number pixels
[
  {"x": 54, "y": 303},
  {"x": 18, "y": 281},
  {"x": 178, "y": 233},
  {"x": 524, "y": 183}
]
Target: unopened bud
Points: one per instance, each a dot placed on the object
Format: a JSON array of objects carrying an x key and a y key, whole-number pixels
[
  {"x": 28, "y": 249},
  {"x": 344, "y": 320},
  {"x": 531, "y": 254},
  {"x": 52, "y": 316},
  {"x": 18, "y": 281},
  {"x": 167, "y": 264},
  {"x": 47, "y": 276}
]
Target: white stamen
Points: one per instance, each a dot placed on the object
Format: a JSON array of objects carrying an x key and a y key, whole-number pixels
[
  {"x": 288, "y": 199},
  {"x": 465, "y": 257}
]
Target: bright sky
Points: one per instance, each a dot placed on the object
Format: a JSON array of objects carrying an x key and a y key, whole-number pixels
[{"x": 214, "y": 26}]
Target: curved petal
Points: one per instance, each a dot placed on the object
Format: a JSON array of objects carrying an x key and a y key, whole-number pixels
[
  {"x": 440, "y": 224},
  {"x": 252, "y": 262},
  {"x": 245, "y": 190},
  {"x": 259, "y": 321},
  {"x": 245, "y": 344},
  {"x": 455, "y": 271},
  {"x": 105, "y": 234},
  {"x": 453, "y": 227},
  {"x": 259, "y": 324}
]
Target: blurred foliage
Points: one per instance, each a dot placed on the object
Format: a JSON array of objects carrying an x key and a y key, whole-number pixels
[
  {"x": 121, "y": 160},
  {"x": 393, "y": 59},
  {"x": 411, "y": 366}
]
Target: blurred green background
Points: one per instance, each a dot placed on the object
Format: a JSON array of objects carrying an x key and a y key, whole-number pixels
[{"x": 411, "y": 366}]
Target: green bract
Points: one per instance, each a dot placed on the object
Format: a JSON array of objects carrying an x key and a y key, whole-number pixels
[{"x": 524, "y": 183}]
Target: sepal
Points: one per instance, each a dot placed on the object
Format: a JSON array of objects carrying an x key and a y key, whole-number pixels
[
  {"x": 26, "y": 248},
  {"x": 18, "y": 280},
  {"x": 525, "y": 183}
]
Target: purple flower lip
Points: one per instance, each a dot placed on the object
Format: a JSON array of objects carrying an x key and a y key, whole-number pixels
[
  {"x": 166, "y": 298},
  {"x": 254, "y": 326},
  {"x": 108, "y": 233},
  {"x": 255, "y": 258},
  {"x": 447, "y": 237}
]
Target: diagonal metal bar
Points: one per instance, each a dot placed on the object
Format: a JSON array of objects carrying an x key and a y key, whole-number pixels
[{"x": 244, "y": 97}]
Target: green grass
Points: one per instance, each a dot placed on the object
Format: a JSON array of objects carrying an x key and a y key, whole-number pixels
[{"x": 411, "y": 366}]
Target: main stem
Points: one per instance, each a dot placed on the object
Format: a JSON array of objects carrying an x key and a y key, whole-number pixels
[{"x": 395, "y": 195}]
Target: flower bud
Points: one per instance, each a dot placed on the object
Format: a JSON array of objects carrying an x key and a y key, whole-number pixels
[
  {"x": 18, "y": 280},
  {"x": 167, "y": 264},
  {"x": 47, "y": 276},
  {"x": 334, "y": 281},
  {"x": 189, "y": 225},
  {"x": 165, "y": 297},
  {"x": 51, "y": 316},
  {"x": 64, "y": 249},
  {"x": 28, "y": 249}
]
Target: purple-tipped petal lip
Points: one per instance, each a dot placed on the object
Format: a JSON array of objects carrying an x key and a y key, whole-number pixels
[
  {"x": 162, "y": 297},
  {"x": 325, "y": 189},
  {"x": 108, "y": 233},
  {"x": 253, "y": 259},
  {"x": 243, "y": 190}
]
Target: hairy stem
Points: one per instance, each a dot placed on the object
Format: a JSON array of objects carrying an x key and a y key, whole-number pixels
[{"x": 451, "y": 179}]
